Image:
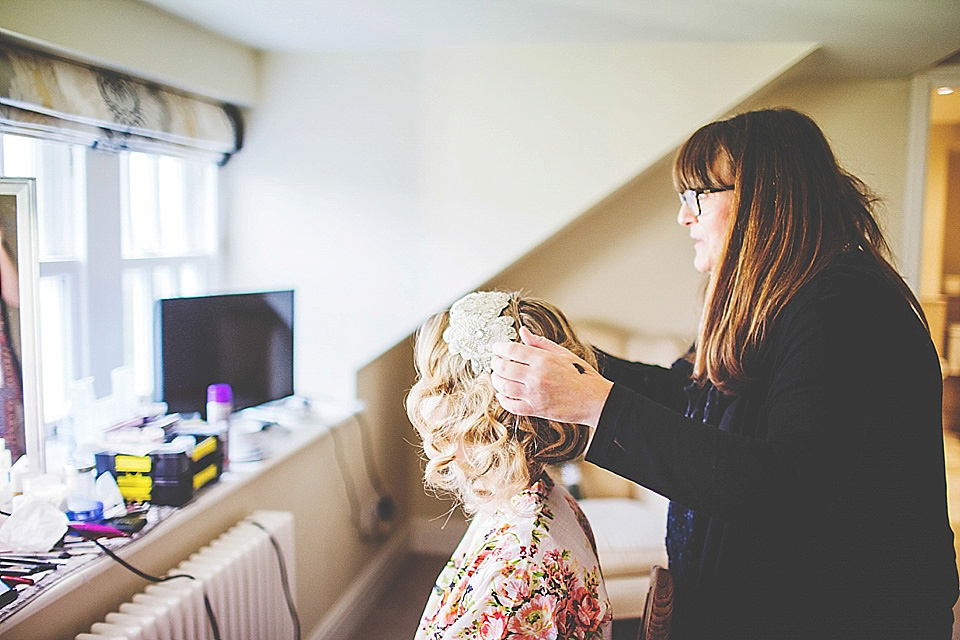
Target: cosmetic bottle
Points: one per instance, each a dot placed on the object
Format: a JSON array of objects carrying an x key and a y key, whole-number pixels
[{"x": 219, "y": 408}]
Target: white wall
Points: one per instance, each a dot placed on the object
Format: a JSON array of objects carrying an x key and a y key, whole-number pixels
[
  {"x": 628, "y": 263},
  {"x": 384, "y": 185}
]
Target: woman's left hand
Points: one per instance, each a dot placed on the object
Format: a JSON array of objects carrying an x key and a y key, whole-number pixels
[{"x": 540, "y": 378}]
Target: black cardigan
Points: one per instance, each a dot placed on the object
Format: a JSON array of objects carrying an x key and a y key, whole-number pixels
[{"x": 819, "y": 493}]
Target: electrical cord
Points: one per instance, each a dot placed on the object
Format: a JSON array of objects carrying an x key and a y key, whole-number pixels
[
  {"x": 367, "y": 449},
  {"x": 146, "y": 576},
  {"x": 284, "y": 577},
  {"x": 347, "y": 483},
  {"x": 285, "y": 580},
  {"x": 385, "y": 507}
]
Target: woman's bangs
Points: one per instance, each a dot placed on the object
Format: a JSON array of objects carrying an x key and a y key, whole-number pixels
[{"x": 698, "y": 160}]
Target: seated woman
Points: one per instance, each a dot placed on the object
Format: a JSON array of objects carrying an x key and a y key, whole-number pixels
[{"x": 527, "y": 566}]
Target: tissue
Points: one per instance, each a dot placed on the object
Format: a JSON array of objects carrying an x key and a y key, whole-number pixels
[{"x": 34, "y": 526}]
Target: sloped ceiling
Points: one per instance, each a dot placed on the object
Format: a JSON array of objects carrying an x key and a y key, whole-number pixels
[{"x": 860, "y": 38}]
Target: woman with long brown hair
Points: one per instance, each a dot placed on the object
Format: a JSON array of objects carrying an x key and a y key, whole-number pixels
[{"x": 800, "y": 440}]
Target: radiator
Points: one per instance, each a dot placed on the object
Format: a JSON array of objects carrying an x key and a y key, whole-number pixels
[{"x": 240, "y": 574}]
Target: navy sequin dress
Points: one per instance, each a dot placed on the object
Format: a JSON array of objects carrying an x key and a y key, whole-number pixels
[{"x": 686, "y": 534}]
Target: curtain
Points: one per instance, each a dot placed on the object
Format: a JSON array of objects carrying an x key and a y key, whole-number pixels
[{"x": 49, "y": 97}]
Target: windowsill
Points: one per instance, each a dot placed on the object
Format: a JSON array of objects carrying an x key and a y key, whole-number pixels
[{"x": 283, "y": 441}]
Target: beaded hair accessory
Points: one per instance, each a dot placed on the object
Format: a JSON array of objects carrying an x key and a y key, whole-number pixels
[{"x": 476, "y": 324}]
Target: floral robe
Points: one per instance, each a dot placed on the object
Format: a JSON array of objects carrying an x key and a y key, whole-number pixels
[{"x": 529, "y": 575}]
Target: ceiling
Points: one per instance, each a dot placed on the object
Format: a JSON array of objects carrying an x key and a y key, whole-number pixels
[{"x": 859, "y": 38}]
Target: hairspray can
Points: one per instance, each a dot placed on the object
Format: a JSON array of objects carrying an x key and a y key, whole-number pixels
[{"x": 219, "y": 408}]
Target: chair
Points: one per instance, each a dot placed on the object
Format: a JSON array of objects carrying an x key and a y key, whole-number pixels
[{"x": 658, "y": 609}]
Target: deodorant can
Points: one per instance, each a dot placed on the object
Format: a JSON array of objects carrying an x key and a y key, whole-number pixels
[{"x": 219, "y": 408}]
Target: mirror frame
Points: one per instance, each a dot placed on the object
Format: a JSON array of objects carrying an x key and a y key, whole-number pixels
[{"x": 28, "y": 266}]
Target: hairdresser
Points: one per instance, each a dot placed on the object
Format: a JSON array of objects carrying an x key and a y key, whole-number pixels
[{"x": 800, "y": 440}]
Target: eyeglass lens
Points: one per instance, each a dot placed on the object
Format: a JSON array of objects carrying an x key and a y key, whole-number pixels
[{"x": 691, "y": 199}]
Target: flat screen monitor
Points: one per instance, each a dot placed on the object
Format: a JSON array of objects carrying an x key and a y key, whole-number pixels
[{"x": 242, "y": 339}]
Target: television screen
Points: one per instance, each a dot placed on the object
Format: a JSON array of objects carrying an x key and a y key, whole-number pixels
[{"x": 244, "y": 339}]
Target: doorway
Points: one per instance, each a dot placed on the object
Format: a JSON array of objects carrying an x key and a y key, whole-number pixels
[{"x": 932, "y": 240}]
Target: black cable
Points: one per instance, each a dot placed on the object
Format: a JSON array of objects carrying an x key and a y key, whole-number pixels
[
  {"x": 146, "y": 576},
  {"x": 365, "y": 446},
  {"x": 285, "y": 580},
  {"x": 347, "y": 483}
]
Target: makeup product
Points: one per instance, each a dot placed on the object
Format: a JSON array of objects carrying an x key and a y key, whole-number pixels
[
  {"x": 19, "y": 559},
  {"x": 88, "y": 530},
  {"x": 7, "y": 594},
  {"x": 32, "y": 566},
  {"x": 127, "y": 524}
]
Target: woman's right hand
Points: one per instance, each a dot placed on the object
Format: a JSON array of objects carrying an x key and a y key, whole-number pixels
[{"x": 537, "y": 377}]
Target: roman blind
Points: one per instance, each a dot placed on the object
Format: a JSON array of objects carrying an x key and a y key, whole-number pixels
[{"x": 46, "y": 96}]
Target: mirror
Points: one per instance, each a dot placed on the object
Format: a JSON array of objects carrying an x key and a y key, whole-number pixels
[{"x": 21, "y": 420}]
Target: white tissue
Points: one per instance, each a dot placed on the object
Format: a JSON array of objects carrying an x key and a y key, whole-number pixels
[
  {"x": 109, "y": 494},
  {"x": 34, "y": 526}
]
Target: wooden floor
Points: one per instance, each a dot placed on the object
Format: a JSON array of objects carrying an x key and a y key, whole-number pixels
[{"x": 397, "y": 613}]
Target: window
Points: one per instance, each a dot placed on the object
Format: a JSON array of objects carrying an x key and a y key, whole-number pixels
[{"x": 116, "y": 231}]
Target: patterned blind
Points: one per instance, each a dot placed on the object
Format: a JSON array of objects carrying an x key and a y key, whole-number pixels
[{"x": 53, "y": 98}]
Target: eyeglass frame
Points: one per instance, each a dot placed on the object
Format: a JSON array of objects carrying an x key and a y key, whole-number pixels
[{"x": 693, "y": 195}]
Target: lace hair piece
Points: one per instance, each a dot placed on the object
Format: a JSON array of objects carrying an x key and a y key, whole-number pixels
[{"x": 476, "y": 324}]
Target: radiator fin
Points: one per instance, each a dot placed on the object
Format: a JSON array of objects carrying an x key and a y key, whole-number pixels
[{"x": 239, "y": 573}]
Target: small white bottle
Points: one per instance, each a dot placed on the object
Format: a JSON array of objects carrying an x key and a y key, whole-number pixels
[
  {"x": 6, "y": 461},
  {"x": 219, "y": 408},
  {"x": 6, "y": 488}
]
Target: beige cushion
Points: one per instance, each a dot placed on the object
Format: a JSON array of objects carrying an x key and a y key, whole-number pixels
[
  {"x": 627, "y": 595},
  {"x": 629, "y": 533}
]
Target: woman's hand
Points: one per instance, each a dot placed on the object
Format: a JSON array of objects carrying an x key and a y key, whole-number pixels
[{"x": 542, "y": 379}]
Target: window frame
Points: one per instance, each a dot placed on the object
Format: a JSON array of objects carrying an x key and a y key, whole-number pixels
[{"x": 95, "y": 336}]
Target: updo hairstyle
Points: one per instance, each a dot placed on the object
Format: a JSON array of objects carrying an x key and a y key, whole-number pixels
[{"x": 475, "y": 450}]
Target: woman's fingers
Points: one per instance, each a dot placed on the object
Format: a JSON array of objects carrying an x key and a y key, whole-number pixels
[
  {"x": 515, "y": 351},
  {"x": 531, "y": 339},
  {"x": 537, "y": 377},
  {"x": 508, "y": 388},
  {"x": 514, "y": 406},
  {"x": 509, "y": 369}
]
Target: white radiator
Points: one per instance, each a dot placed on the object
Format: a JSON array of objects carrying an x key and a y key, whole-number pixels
[{"x": 240, "y": 574}]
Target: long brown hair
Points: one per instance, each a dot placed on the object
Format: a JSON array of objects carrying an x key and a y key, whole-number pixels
[{"x": 794, "y": 210}]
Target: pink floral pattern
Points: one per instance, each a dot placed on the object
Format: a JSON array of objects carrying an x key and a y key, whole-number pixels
[{"x": 528, "y": 575}]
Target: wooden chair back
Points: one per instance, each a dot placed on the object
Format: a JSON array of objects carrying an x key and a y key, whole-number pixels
[{"x": 658, "y": 609}]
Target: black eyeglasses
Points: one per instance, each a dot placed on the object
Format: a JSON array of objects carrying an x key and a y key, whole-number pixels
[{"x": 691, "y": 197}]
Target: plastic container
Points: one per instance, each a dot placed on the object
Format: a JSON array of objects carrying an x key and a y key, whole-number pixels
[
  {"x": 219, "y": 409},
  {"x": 84, "y": 510}
]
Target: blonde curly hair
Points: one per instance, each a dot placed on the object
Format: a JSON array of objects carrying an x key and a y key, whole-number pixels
[{"x": 476, "y": 450}]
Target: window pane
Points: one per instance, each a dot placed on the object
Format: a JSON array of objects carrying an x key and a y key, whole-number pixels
[
  {"x": 141, "y": 223},
  {"x": 173, "y": 230},
  {"x": 61, "y": 175},
  {"x": 171, "y": 207},
  {"x": 56, "y": 355},
  {"x": 138, "y": 329},
  {"x": 193, "y": 280}
]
